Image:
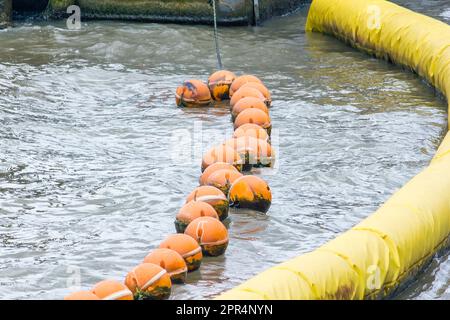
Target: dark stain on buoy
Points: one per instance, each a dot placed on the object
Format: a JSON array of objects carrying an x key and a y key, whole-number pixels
[
  {"x": 213, "y": 196},
  {"x": 250, "y": 192},
  {"x": 211, "y": 235},
  {"x": 219, "y": 84},
  {"x": 187, "y": 247}
]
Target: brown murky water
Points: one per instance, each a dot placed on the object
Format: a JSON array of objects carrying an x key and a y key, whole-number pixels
[{"x": 94, "y": 162}]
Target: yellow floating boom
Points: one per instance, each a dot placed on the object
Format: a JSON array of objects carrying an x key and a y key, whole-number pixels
[{"x": 381, "y": 253}]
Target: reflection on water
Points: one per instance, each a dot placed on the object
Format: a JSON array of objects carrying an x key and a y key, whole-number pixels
[{"x": 87, "y": 179}]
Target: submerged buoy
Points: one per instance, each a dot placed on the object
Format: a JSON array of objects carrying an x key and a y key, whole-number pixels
[
  {"x": 219, "y": 84},
  {"x": 261, "y": 88},
  {"x": 112, "y": 290},
  {"x": 254, "y": 116},
  {"x": 248, "y": 103},
  {"x": 191, "y": 211},
  {"x": 149, "y": 281},
  {"x": 187, "y": 247},
  {"x": 223, "y": 179},
  {"x": 82, "y": 295},
  {"x": 171, "y": 261},
  {"x": 213, "y": 196},
  {"x": 193, "y": 93},
  {"x": 255, "y": 152},
  {"x": 244, "y": 93},
  {"x": 211, "y": 235},
  {"x": 221, "y": 153},
  {"x": 251, "y": 130},
  {"x": 240, "y": 81},
  {"x": 250, "y": 192}
]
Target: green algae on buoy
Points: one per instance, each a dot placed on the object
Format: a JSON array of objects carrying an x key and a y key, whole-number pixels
[
  {"x": 187, "y": 247},
  {"x": 254, "y": 152},
  {"x": 210, "y": 234},
  {"x": 250, "y": 192},
  {"x": 149, "y": 281},
  {"x": 212, "y": 196}
]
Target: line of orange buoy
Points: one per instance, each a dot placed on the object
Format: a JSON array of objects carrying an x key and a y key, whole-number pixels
[{"x": 223, "y": 184}]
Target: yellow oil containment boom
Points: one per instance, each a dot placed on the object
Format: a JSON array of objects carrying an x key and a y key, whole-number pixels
[{"x": 380, "y": 254}]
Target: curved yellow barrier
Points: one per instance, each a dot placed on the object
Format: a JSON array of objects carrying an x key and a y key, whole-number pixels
[{"x": 381, "y": 253}]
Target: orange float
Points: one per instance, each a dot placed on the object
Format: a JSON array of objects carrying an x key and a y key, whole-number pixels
[
  {"x": 244, "y": 93},
  {"x": 254, "y": 116},
  {"x": 82, "y": 295},
  {"x": 149, "y": 281},
  {"x": 171, "y": 261},
  {"x": 248, "y": 103},
  {"x": 191, "y": 211},
  {"x": 221, "y": 153},
  {"x": 251, "y": 130},
  {"x": 240, "y": 81},
  {"x": 255, "y": 152},
  {"x": 193, "y": 93},
  {"x": 213, "y": 196},
  {"x": 187, "y": 247},
  {"x": 261, "y": 88},
  {"x": 213, "y": 168},
  {"x": 210, "y": 233},
  {"x": 223, "y": 179},
  {"x": 250, "y": 192},
  {"x": 112, "y": 290},
  {"x": 219, "y": 84}
]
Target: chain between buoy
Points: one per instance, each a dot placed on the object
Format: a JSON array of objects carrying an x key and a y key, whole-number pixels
[{"x": 216, "y": 37}]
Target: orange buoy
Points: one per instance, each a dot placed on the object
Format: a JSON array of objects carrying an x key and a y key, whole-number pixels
[
  {"x": 251, "y": 130},
  {"x": 250, "y": 192},
  {"x": 82, "y": 295},
  {"x": 219, "y": 84},
  {"x": 213, "y": 168},
  {"x": 255, "y": 152},
  {"x": 240, "y": 81},
  {"x": 221, "y": 154},
  {"x": 213, "y": 196},
  {"x": 191, "y": 211},
  {"x": 223, "y": 179},
  {"x": 193, "y": 93},
  {"x": 244, "y": 93},
  {"x": 248, "y": 103},
  {"x": 171, "y": 261},
  {"x": 149, "y": 281},
  {"x": 187, "y": 247},
  {"x": 254, "y": 116},
  {"x": 112, "y": 290},
  {"x": 210, "y": 233},
  {"x": 263, "y": 89}
]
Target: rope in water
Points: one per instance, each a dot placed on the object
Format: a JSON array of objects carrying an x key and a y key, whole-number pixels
[{"x": 216, "y": 37}]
